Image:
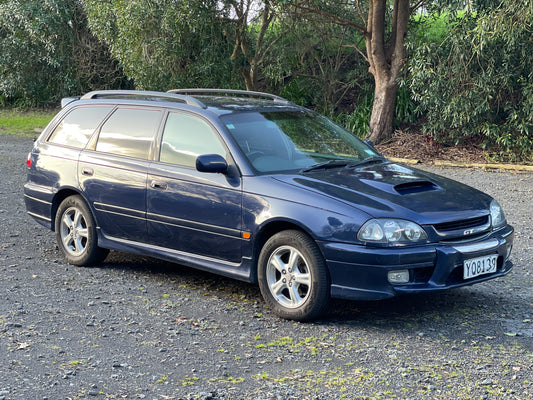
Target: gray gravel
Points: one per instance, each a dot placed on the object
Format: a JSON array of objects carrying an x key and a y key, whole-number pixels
[{"x": 139, "y": 328}]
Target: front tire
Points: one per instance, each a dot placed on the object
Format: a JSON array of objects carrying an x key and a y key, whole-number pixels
[
  {"x": 76, "y": 233},
  {"x": 293, "y": 276}
]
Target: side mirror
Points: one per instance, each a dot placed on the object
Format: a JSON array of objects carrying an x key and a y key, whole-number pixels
[{"x": 213, "y": 163}]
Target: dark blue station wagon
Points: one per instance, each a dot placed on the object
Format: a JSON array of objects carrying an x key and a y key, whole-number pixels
[{"x": 251, "y": 186}]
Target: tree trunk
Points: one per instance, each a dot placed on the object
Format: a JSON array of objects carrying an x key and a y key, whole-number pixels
[
  {"x": 383, "y": 111},
  {"x": 386, "y": 57},
  {"x": 252, "y": 57},
  {"x": 250, "y": 76},
  {"x": 385, "y": 51}
]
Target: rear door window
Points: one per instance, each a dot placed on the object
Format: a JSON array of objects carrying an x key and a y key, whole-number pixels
[
  {"x": 78, "y": 126},
  {"x": 129, "y": 132}
]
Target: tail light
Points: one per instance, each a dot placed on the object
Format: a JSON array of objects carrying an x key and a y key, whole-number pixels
[{"x": 28, "y": 161}]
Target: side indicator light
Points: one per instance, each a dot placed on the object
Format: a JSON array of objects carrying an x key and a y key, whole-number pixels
[{"x": 246, "y": 235}]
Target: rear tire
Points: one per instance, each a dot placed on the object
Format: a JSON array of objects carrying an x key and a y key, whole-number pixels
[
  {"x": 76, "y": 233},
  {"x": 293, "y": 276}
]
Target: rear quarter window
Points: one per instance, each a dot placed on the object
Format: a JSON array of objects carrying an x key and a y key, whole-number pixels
[
  {"x": 129, "y": 132},
  {"x": 77, "y": 127}
]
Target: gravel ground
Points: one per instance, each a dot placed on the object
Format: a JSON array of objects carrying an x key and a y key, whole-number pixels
[{"x": 139, "y": 328}]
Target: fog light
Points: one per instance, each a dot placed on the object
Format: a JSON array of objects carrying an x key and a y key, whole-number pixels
[{"x": 401, "y": 276}]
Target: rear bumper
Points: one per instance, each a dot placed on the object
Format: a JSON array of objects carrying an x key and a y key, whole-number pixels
[
  {"x": 360, "y": 273},
  {"x": 38, "y": 201}
]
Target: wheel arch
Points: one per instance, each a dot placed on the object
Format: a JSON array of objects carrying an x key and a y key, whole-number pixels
[
  {"x": 59, "y": 197},
  {"x": 266, "y": 232}
]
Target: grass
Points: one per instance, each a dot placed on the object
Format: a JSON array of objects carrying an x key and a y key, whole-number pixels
[{"x": 24, "y": 123}]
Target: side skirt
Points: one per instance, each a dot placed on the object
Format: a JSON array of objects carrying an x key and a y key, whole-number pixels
[{"x": 241, "y": 271}]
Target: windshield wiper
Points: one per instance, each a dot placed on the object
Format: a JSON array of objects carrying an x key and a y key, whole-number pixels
[
  {"x": 366, "y": 161},
  {"x": 327, "y": 165},
  {"x": 343, "y": 163}
]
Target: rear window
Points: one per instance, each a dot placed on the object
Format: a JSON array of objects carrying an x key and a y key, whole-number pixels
[
  {"x": 78, "y": 126},
  {"x": 129, "y": 132}
]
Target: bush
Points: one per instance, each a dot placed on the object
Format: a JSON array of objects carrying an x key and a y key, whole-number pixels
[
  {"x": 358, "y": 120},
  {"x": 166, "y": 44},
  {"x": 477, "y": 82},
  {"x": 315, "y": 66},
  {"x": 47, "y": 52}
]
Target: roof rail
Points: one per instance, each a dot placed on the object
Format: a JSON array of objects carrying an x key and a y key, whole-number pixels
[
  {"x": 243, "y": 93},
  {"x": 144, "y": 95},
  {"x": 67, "y": 100}
]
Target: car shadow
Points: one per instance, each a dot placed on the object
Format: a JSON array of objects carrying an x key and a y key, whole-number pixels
[{"x": 486, "y": 310}]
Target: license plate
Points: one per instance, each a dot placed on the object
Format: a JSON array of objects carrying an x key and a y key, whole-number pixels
[{"x": 480, "y": 266}]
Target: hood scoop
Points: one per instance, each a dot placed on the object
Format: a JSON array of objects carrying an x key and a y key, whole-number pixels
[{"x": 415, "y": 187}]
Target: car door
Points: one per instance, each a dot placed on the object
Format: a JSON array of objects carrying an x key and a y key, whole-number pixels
[
  {"x": 114, "y": 169},
  {"x": 187, "y": 210}
]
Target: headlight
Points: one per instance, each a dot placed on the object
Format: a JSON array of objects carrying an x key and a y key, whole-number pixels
[
  {"x": 391, "y": 231},
  {"x": 496, "y": 214}
]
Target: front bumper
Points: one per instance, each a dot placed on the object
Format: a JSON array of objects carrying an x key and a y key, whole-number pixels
[{"x": 360, "y": 272}]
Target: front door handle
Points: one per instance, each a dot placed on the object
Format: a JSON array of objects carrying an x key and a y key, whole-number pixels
[{"x": 158, "y": 185}]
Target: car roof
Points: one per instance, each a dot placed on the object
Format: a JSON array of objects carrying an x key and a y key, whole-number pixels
[
  {"x": 218, "y": 101},
  {"x": 226, "y": 104}
]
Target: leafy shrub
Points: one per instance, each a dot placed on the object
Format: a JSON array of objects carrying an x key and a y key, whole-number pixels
[
  {"x": 314, "y": 65},
  {"x": 358, "y": 120},
  {"x": 47, "y": 52},
  {"x": 477, "y": 82},
  {"x": 166, "y": 44}
]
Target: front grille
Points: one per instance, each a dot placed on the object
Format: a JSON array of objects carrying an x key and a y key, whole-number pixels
[
  {"x": 462, "y": 224},
  {"x": 463, "y": 229}
]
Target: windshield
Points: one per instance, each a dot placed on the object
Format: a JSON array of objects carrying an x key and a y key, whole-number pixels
[{"x": 294, "y": 140}]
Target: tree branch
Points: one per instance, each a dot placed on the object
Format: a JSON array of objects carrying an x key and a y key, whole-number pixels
[
  {"x": 416, "y": 6},
  {"x": 331, "y": 17},
  {"x": 356, "y": 48}
]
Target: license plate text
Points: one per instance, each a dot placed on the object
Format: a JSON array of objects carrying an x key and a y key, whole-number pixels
[{"x": 480, "y": 266}]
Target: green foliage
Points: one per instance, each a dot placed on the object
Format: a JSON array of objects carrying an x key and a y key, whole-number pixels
[
  {"x": 358, "y": 120},
  {"x": 45, "y": 51},
  {"x": 315, "y": 65},
  {"x": 34, "y": 43},
  {"x": 406, "y": 108},
  {"x": 470, "y": 70},
  {"x": 24, "y": 122},
  {"x": 165, "y": 44},
  {"x": 432, "y": 28},
  {"x": 477, "y": 82}
]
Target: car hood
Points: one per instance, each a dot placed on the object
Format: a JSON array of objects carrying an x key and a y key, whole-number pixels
[{"x": 392, "y": 190}]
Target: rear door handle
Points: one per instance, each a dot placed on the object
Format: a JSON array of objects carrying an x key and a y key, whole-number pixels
[
  {"x": 87, "y": 171},
  {"x": 158, "y": 185}
]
